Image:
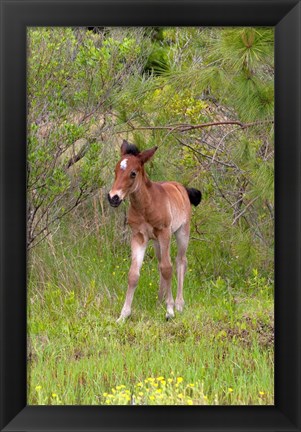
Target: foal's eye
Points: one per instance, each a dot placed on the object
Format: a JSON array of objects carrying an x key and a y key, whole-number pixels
[{"x": 133, "y": 174}]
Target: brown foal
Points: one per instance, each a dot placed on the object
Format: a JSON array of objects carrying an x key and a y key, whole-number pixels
[{"x": 157, "y": 210}]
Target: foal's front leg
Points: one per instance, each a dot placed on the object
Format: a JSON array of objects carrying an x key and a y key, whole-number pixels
[{"x": 138, "y": 246}]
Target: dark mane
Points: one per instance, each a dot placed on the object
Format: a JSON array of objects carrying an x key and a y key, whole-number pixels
[{"x": 132, "y": 149}]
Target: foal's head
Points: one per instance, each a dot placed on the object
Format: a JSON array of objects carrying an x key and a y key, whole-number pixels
[{"x": 129, "y": 172}]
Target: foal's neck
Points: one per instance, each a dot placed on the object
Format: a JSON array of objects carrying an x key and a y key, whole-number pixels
[{"x": 141, "y": 197}]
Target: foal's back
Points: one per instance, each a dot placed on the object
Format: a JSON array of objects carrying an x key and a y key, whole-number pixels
[{"x": 176, "y": 203}]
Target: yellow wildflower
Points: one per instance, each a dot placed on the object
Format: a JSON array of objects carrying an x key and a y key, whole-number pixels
[
  {"x": 189, "y": 402},
  {"x": 119, "y": 387},
  {"x": 230, "y": 390},
  {"x": 261, "y": 393},
  {"x": 54, "y": 395},
  {"x": 179, "y": 379},
  {"x": 38, "y": 388}
]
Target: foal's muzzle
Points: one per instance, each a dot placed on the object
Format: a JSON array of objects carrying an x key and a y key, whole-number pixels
[{"x": 115, "y": 201}]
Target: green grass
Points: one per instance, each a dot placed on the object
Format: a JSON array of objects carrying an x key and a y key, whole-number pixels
[{"x": 219, "y": 350}]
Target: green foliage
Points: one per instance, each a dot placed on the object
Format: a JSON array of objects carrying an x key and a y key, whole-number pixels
[
  {"x": 245, "y": 55},
  {"x": 73, "y": 77}
]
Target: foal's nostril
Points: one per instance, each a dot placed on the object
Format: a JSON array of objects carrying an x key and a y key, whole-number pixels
[{"x": 114, "y": 201}]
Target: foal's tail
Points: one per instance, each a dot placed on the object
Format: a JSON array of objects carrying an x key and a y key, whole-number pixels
[{"x": 195, "y": 196}]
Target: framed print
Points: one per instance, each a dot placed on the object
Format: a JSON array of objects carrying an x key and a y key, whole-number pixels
[{"x": 124, "y": 123}]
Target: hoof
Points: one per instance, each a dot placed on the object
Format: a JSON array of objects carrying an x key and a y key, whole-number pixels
[
  {"x": 169, "y": 315},
  {"x": 179, "y": 307},
  {"x": 122, "y": 319},
  {"x": 124, "y": 314}
]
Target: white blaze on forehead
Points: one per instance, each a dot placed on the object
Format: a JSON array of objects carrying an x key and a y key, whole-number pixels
[{"x": 123, "y": 164}]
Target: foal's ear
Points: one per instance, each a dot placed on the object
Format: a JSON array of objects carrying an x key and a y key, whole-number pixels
[
  {"x": 124, "y": 147},
  {"x": 146, "y": 154},
  {"x": 127, "y": 148}
]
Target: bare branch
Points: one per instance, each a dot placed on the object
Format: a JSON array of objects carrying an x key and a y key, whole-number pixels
[
  {"x": 78, "y": 156},
  {"x": 184, "y": 128},
  {"x": 244, "y": 210}
]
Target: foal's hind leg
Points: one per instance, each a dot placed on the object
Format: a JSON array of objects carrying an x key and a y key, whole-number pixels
[
  {"x": 162, "y": 288},
  {"x": 166, "y": 270},
  {"x": 182, "y": 237}
]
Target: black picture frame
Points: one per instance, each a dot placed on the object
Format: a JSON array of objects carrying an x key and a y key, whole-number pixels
[{"x": 284, "y": 15}]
